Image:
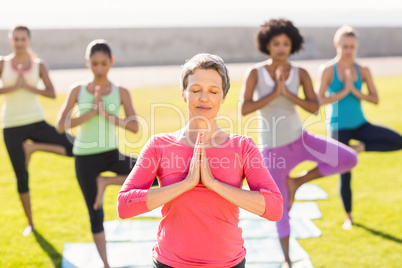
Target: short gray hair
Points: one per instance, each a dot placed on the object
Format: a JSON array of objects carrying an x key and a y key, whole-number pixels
[{"x": 205, "y": 61}]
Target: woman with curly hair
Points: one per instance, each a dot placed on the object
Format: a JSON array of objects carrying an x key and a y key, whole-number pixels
[{"x": 271, "y": 88}]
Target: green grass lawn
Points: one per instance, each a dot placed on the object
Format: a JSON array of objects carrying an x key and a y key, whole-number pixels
[{"x": 60, "y": 214}]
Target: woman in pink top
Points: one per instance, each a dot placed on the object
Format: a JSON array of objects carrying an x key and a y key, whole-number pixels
[{"x": 200, "y": 178}]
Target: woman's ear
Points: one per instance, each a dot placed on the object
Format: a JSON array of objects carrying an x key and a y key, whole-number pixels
[
  {"x": 223, "y": 100},
  {"x": 183, "y": 95},
  {"x": 112, "y": 60},
  {"x": 88, "y": 63},
  {"x": 267, "y": 47}
]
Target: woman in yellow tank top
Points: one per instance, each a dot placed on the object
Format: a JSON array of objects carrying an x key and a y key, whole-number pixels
[{"x": 22, "y": 117}]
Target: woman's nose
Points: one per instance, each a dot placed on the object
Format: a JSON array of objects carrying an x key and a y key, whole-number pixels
[{"x": 203, "y": 96}]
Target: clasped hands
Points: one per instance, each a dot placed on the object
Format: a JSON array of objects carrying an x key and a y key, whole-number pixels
[
  {"x": 21, "y": 83},
  {"x": 99, "y": 105},
  {"x": 349, "y": 85},
  {"x": 200, "y": 171},
  {"x": 280, "y": 82}
]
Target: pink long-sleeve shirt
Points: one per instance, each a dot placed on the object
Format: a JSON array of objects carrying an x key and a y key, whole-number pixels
[{"x": 199, "y": 227}]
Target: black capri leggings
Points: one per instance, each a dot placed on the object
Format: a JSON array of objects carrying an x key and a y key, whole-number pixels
[
  {"x": 375, "y": 138},
  {"x": 42, "y": 132},
  {"x": 157, "y": 264},
  {"x": 88, "y": 167}
]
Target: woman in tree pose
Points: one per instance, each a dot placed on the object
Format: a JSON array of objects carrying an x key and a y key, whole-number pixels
[
  {"x": 339, "y": 85},
  {"x": 95, "y": 147},
  {"x": 271, "y": 88},
  {"x": 22, "y": 116}
]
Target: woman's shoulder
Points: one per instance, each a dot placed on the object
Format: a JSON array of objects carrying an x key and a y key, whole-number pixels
[
  {"x": 328, "y": 66},
  {"x": 6, "y": 57},
  {"x": 364, "y": 69},
  {"x": 162, "y": 138},
  {"x": 75, "y": 88},
  {"x": 254, "y": 68},
  {"x": 122, "y": 90},
  {"x": 38, "y": 60},
  {"x": 326, "y": 69},
  {"x": 298, "y": 69},
  {"x": 258, "y": 65},
  {"x": 242, "y": 140}
]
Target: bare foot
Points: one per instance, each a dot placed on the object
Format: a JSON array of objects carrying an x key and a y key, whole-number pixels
[
  {"x": 347, "y": 225},
  {"x": 361, "y": 147},
  {"x": 101, "y": 187},
  {"x": 28, "y": 150},
  {"x": 29, "y": 229},
  {"x": 292, "y": 185}
]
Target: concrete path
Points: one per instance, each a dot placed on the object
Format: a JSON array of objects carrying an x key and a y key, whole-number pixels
[{"x": 154, "y": 76}]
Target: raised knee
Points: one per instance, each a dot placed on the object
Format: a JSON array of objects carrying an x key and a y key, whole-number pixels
[{"x": 348, "y": 160}]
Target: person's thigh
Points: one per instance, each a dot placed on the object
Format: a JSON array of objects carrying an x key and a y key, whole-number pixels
[
  {"x": 343, "y": 136},
  {"x": 45, "y": 133},
  {"x": 87, "y": 168},
  {"x": 378, "y": 138},
  {"x": 119, "y": 163},
  {"x": 330, "y": 155}
]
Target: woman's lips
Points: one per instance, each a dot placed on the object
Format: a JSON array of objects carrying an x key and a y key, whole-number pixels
[{"x": 203, "y": 108}]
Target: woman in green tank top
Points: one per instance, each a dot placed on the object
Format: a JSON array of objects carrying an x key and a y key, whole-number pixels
[{"x": 95, "y": 147}]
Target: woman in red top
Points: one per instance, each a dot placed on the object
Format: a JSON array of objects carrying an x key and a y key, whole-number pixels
[{"x": 200, "y": 178}]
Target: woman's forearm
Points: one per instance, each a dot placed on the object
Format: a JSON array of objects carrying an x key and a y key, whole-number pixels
[{"x": 47, "y": 92}]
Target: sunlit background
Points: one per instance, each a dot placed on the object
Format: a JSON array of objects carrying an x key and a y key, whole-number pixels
[{"x": 179, "y": 13}]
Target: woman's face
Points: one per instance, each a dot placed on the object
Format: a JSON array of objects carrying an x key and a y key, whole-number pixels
[
  {"x": 100, "y": 63},
  {"x": 279, "y": 47},
  {"x": 204, "y": 93},
  {"x": 20, "y": 41},
  {"x": 346, "y": 47}
]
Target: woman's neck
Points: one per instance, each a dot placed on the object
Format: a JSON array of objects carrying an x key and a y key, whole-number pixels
[
  {"x": 21, "y": 57},
  {"x": 344, "y": 61},
  {"x": 210, "y": 130},
  {"x": 101, "y": 81},
  {"x": 276, "y": 63}
]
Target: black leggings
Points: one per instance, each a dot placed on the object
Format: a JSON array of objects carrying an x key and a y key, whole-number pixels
[
  {"x": 88, "y": 167},
  {"x": 376, "y": 139},
  {"x": 42, "y": 132},
  {"x": 157, "y": 264}
]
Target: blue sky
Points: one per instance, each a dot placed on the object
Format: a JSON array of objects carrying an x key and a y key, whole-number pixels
[{"x": 179, "y": 13}]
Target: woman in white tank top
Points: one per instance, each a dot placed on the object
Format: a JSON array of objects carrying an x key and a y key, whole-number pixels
[
  {"x": 22, "y": 117},
  {"x": 271, "y": 89}
]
